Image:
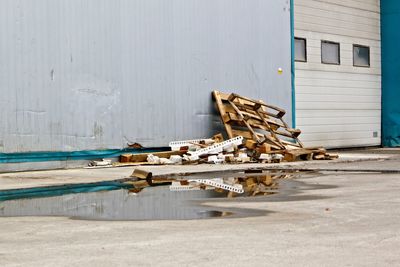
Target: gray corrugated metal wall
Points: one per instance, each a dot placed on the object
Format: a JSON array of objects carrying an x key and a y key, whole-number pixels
[{"x": 93, "y": 74}]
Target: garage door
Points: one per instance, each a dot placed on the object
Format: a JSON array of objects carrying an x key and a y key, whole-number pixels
[{"x": 338, "y": 72}]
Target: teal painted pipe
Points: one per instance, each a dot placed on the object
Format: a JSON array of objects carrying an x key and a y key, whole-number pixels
[
  {"x": 390, "y": 21},
  {"x": 51, "y": 191},
  {"x": 72, "y": 155}
]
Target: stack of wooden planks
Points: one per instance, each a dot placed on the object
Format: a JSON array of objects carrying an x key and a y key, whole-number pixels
[{"x": 263, "y": 127}]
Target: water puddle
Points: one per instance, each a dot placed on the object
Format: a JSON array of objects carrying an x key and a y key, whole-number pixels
[{"x": 170, "y": 198}]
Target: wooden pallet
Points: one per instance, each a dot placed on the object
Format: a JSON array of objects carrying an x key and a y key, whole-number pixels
[
  {"x": 264, "y": 124},
  {"x": 256, "y": 120}
]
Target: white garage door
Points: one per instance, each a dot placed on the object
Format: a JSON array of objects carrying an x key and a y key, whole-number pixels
[{"x": 338, "y": 72}]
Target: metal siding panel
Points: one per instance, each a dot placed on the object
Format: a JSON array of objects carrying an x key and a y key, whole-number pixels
[{"x": 95, "y": 74}]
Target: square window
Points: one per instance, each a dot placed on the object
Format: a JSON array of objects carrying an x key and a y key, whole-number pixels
[
  {"x": 300, "y": 49},
  {"x": 330, "y": 53},
  {"x": 361, "y": 56}
]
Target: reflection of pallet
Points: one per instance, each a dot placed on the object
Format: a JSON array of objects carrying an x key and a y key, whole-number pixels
[
  {"x": 177, "y": 186},
  {"x": 211, "y": 184},
  {"x": 219, "y": 184}
]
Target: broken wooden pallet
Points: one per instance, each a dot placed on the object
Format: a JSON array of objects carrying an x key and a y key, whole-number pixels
[
  {"x": 256, "y": 120},
  {"x": 262, "y": 124}
]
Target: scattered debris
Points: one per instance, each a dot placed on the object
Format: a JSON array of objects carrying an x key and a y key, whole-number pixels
[
  {"x": 100, "y": 163},
  {"x": 257, "y": 132},
  {"x": 191, "y": 144},
  {"x": 176, "y": 159},
  {"x": 143, "y": 158},
  {"x": 216, "y": 148}
]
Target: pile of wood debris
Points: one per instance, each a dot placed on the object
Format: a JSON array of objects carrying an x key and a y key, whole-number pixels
[
  {"x": 265, "y": 130},
  {"x": 256, "y": 132}
]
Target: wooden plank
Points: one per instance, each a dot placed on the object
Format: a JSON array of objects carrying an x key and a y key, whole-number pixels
[
  {"x": 253, "y": 115},
  {"x": 288, "y": 134},
  {"x": 253, "y": 123},
  {"x": 129, "y": 164},
  {"x": 245, "y": 134},
  {"x": 254, "y": 118},
  {"x": 298, "y": 154},
  {"x": 250, "y": 144},
  {"x": 272, "y": 132},
  {"x": 291, "y": 144},
  {"x": 257, "y": 103},
  {"x": 295, "y": 132},
  {"x": 232, "y": 97},
  {"x": 273, "y": 142},
  {"x": 264, "y": 148},
  {"x": 223, "y": 96},
  {"x": 221, "y": 109},
  {"x": 265, "y": 113},
  {"x": 125, "y": 158},
  {"x": 244, "y": 121}
]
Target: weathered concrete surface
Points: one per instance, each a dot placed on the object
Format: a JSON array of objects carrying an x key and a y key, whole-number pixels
[
  {"x": 354, "y": 223},
  {"x": 366, "y": 160},
  {"x": 60, "y": 177}
]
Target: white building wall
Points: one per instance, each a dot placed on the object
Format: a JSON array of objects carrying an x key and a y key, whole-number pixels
[
  {"x": 98, "y": 74},
  {"x": 338, "y": 105}
]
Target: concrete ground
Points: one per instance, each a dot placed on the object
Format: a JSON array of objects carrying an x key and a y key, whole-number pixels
[
  {"x": 370, "y": 159},
  {"x": 353, "y": 221}
]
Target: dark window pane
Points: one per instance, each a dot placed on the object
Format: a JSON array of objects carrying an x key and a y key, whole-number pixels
[
  {"x": 360, "y": 56},
  {"x": 300, "y": 50},
  {"x": 330, "y": 53}
]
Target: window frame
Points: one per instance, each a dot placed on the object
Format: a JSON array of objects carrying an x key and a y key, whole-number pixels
[
  {"x": 369, "y": 56},
  {"x": 331, "y": 42},
  {"x": 305, "y": 48}
]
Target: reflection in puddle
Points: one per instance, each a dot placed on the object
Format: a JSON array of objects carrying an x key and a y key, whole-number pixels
[
  {"x": 253, "y": 184},
  {"x": 167, "y": 198},
  {"x": 152, "y": 203}
]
